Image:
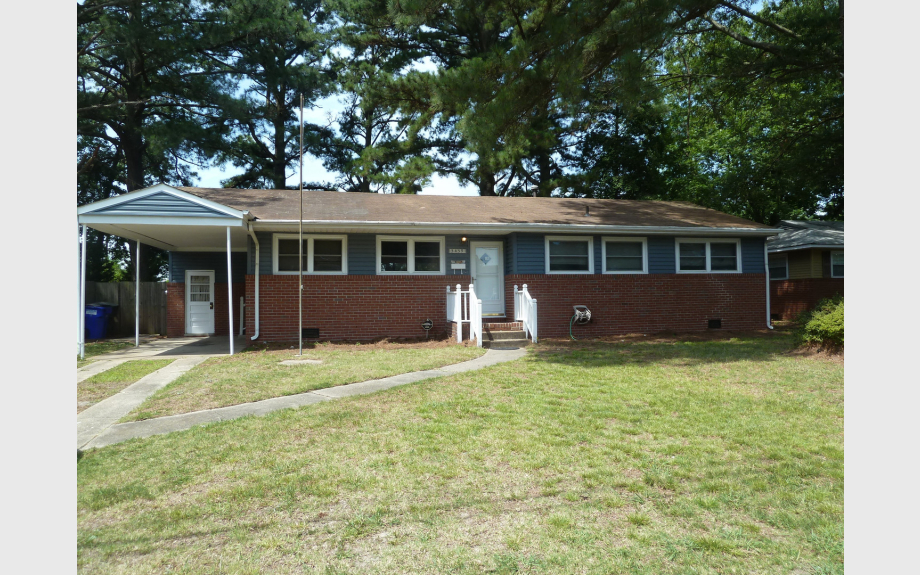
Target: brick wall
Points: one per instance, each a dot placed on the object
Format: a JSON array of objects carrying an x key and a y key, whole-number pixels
[
  {"x": 359, "y": 307},
  {"x": 368, "y": 307},
  {"x": 651, "y": 303},
  {"x": 789, "y": 298},
  {"x": 175, "y": 308}
]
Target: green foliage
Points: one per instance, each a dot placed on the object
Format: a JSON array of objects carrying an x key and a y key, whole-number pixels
[{"x": 824, "y": 324}]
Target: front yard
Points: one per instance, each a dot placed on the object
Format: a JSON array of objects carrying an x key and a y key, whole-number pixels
[
  {"x": 641, "y": 456},
  {"x": 257, "y": 373}
]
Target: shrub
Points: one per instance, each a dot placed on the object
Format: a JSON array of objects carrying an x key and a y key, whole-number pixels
[{"x": 824, "y": 324}]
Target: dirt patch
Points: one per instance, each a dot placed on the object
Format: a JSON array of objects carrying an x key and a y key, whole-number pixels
[{"x": 831, "y": 354}]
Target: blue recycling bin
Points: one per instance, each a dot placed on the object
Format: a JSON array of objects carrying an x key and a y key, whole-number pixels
[{"x": 97, "y": 319}]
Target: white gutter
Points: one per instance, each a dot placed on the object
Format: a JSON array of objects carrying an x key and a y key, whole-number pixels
[
  {"x": 766, "y": 272},
  {"x": 472, "y": 227},
  {"x": 256, "y": 322}
]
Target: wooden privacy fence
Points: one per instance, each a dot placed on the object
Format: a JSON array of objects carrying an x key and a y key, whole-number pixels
[{"x": 121, "y": 324}]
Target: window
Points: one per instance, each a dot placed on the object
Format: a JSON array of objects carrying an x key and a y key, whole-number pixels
[
  {"x": 836, "y": 264},
  {"x": 708, "y": 255},
  {"x": 321, "y": 254},
  {"x": 625, "y": 255},
  {"x": 569, "y": 255},
  {"x": 779, "y": 267},
  {"x": 410, "y": 255}
]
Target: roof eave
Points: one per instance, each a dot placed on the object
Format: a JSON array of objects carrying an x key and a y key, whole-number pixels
[
  {"x": 804, "y": 247},
  {"x": 472, "y": 227}
]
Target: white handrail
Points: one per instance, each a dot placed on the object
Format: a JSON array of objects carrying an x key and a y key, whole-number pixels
[
  {"x": 464, "y": 307},
  {"x": 475, "y": 316},
  {"x": 525, "y": 311}
]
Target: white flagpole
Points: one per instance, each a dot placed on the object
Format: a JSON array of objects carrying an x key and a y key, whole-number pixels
[{"x": 300, "y": 244}]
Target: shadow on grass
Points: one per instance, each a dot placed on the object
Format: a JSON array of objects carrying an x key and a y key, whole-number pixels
[{"x": 670, "y": 349}]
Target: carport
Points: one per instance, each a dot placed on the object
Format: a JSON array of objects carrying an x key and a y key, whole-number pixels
[{"x": 169, "y": 219}]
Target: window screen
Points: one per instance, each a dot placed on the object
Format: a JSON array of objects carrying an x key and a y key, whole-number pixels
[
  {"x": 568, "y": 256},
  {"x": 427, "y": 256},
  {"x": 394, "y": 256},
  {"x": 692, "y": 257},
  {"x": 837, "y": 265},
  {"x": 778, "y": 269},
  {"x": 327, "y": 255},
  {"x": 723, "y": 256},
  {"x": 287, "y": 255},
  {"x": 624, "y": 256}
]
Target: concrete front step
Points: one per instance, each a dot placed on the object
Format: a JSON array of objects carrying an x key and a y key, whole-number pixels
[
  {"x": 505, "y": 343},
  {"x": 515, "y": 338},
  {"x": 515, "y": 334}
]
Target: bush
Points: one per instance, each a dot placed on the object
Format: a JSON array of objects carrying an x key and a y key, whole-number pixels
[{"x": 824, "y": 324}]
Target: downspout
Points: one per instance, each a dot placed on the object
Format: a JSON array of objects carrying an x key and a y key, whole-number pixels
[
  {"x": 766, "y": 270},
  {"x": 256, "y": 322}
]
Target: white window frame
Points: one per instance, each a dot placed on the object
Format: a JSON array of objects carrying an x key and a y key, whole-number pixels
[
  {"x": 410, "y": 252},
  {"x": 785, "y": 263},
  {"x": 309, "y": 239},
  {"x": 707, "y": 241},
  {"x": 604, "y": 241},
  {"x": 588, "y": 239},
  {"x": 832, "y": 263}
]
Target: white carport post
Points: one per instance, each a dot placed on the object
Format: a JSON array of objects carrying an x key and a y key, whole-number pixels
[
  {"x": 137, "y": 297},
  {"x": 82, "y": 341},
  {"x": 230, "y": 289}
]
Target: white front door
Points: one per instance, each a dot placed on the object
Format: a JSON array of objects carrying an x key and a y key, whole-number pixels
[
  {"x": 199, "y": 302},
  {"x": 489, "y": 276}
]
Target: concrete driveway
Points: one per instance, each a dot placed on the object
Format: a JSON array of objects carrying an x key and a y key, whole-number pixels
[{"x": 179, "y": 346}]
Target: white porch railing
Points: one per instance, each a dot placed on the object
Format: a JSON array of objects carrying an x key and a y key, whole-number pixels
[
  {"x": 525, "y": 311},
  {"x": 463, "y": 306}
]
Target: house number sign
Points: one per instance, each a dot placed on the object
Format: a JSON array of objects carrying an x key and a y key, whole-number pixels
[{"x": 456, "y": 251}]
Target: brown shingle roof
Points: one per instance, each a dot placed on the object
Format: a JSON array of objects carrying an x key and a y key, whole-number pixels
[{"x": 358, "y": 207}]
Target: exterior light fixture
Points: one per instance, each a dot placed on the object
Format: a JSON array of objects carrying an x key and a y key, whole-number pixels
[{"x": 463, "y": 239}]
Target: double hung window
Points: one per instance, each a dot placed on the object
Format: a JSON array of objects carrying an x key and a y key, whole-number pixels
[
  {"x": 779, "y": 267},
  {"x": 625, "y": 255},
  {"x": 708, "y": 255},
  {"x": 410, "y": 255},
  {"x": 569, "y": 255},
  {"x": 836, "y": 264},
  {"x": 321, "y": 254}
]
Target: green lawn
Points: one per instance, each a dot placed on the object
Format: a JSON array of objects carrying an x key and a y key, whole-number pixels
[
  {"x": 639, "y": 457},
  {"x": 111, "y": 381},
  {"x": 256, "y": 374}
]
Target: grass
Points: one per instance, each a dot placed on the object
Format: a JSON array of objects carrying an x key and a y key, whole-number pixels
[
  {"x": 95, "y": 348},
  {"x": 649, "y": 456},
  {"x": 257, "y": 374},
  {"x": 111, "y": 381}
]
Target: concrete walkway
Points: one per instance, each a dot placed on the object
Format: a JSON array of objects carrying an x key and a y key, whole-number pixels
[
  {"x": 124, "y": 431},
  {"x": 88, "y": 371},
  {"x": 98, "y": 418}
]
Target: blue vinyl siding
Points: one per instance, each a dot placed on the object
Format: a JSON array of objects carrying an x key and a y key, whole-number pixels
[
  {"x": 362, "y": 254},
  {"x": 265, "y": 254},
  {"x": 661, "y": 258},
  {"x": 179, "y": 262},
  {"x": 162, "y": 204},
  {"x": 752, "y": 255},
  {"x": 531, "y": 254},
  {"x": 523, "y": 253}
]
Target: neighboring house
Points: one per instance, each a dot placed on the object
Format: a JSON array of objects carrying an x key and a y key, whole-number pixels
[
  {"x": 806, "y": 266},
  {"x": 380, "y": 265}
]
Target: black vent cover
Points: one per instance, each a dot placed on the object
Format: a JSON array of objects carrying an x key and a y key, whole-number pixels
[
  {"x": 310, "y": 332},
  {"x": 715, "y": 324}
]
